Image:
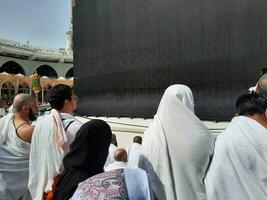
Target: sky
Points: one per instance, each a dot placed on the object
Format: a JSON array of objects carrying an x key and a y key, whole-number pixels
[{"x": 42, "y": 22}]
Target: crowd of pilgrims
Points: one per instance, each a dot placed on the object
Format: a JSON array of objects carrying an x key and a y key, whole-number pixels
[{"x": 58, "y": 157}]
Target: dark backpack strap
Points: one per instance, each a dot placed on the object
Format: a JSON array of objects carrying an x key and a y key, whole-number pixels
[{"x": 68, "y": 125}]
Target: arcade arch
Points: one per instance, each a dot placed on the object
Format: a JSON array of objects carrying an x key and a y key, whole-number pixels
[
  {"x": 46, "y": 70},
  {"x": 69, "y": 73},
  {"x": 12, "y": 67}
]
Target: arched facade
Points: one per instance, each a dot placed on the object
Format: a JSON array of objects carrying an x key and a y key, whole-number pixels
[
  {"x": 46, "y": 70},
  {"x": 69, "y": 73},
  {"x": 12, "y": 67},
  {"x": 24, "y": 88},
  {"x": 8, "y": 90},
  {"x": 29, "y": 66},
  {"x": 10, "y": 85}
]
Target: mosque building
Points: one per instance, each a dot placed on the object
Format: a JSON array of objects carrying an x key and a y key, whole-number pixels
[{"x": 19, "y": 61}]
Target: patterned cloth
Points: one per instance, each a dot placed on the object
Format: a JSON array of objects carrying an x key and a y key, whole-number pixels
[
  {"x": 121, "y": 184},
  {"x": 108, "y": 185}
]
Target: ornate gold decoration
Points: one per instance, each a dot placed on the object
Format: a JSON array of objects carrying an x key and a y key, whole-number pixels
[{"x": 36, "y": 86}]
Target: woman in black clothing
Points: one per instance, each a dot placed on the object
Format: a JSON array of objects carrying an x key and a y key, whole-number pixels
[{"x": 86, "y": 157}]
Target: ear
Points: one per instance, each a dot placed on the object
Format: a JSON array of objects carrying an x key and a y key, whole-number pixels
[
  {"x": 257, "y": 88},
  {"x": 24, "y": 108},
  {"x": 265, "y": 113}
]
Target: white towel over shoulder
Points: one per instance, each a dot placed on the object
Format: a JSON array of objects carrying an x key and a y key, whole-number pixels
[{"x": 47, "y": 152}]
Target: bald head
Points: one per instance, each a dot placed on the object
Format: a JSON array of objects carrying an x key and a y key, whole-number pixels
[
  {"x": 137, "y": 139},
  {"x": 21, "y": 100},
  {"x": 120, "y": 155},
  {"x": 262, "y": 85}
]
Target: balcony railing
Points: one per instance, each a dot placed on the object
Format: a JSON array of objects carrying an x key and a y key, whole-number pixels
[{"x": 27, "y": 46}]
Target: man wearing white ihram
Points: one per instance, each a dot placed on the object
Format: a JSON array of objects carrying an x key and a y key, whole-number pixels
[
  {"x": 238, "y": 170},
  {"x": 133, "y": 152},
  {"x": 176, "y": 148},
  {"x": 52, "y": 137},
  {"x": 15, "y": 138}
]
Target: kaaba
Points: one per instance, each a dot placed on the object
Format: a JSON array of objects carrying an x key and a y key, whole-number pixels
[{"x": 127, "y": 52}]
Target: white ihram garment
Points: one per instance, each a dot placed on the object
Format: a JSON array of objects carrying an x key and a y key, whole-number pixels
[
  {"x": 116, "y": 165},
  {"x": 110, "y": 157},
  {"x": 50, "y": 143},
  {"x": 176, "y": 148},
  {"x": 239, "y": 166},
  {"x": 133, "y": 153}
]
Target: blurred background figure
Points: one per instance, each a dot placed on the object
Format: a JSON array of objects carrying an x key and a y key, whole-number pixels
[
  {"x": 120, "y": 156},
  {"x": 112, "y": 148},
  {"x": 261, "y": 84},
  {"x": 133, "y": 152},
  {"x": 3, "y": 106}
]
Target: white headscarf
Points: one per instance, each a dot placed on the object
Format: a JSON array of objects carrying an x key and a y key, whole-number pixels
[{"x": 176, "y": 148}]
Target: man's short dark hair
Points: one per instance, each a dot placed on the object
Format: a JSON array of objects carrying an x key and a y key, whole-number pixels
[
  {"x": 137, "y": 139},
  {"x": 58, "y": 94},
  {"x": 250, "y": 104}
]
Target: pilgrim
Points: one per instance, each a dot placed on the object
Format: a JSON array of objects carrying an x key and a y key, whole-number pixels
[
  {"x": 239, "y": 166},
  {"x": 176, "y": 148},
  {"x": 15, "y": 137}
]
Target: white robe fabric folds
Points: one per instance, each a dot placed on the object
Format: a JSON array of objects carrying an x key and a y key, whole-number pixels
[
  {"x": 14, "y": 161},
  {"x": 116, "y": 165},
  {"x": 47, "y": 151},
  {"x": 133, "y": 152},
  {"x": 110, "y": 157},
  {"x": 239, "y": 165},
  {"x": 176, "y": 148}
]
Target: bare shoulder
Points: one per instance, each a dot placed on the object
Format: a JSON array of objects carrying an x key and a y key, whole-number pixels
[{"x": 25, "y": 132}]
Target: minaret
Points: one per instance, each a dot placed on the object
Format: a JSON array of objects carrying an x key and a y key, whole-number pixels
[
  {"x": 69, "y": 33},
  {"x": 69, "y": 36}
]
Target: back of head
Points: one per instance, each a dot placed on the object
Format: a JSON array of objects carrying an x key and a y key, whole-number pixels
[
  {"x": 58, "y": 94},
  {"x": 262, "y": 85},
  {"x": 250, "y": 104},
  {"x": 137, "y": 139},
  {"x": 21, "y": 100},
  {"x": 120, "y": 155},
  {"x": 183, "y": 93},
  {"x": 89, "y": 150}
]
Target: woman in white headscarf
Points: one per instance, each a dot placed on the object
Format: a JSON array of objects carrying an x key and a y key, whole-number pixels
[{"x": 177, "y": 148}]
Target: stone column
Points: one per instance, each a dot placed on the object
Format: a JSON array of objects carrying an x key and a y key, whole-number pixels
[{"x": 42, "y": 96}]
